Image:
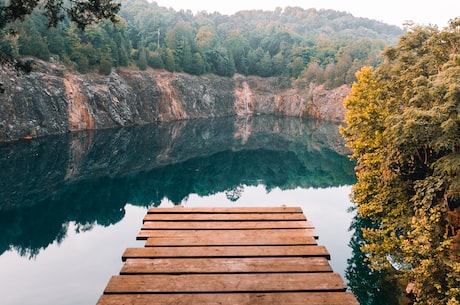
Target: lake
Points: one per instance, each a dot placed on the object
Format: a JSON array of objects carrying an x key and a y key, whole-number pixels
[{"x": 71, "y": 204}]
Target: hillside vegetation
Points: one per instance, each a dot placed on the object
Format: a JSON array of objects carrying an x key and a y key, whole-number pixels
[
  {"x": 323, "y": 46},
  {"x": 403, "y": 125}
]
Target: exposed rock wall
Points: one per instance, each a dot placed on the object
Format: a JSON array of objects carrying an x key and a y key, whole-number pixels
[{"x": 52, "y": 99}]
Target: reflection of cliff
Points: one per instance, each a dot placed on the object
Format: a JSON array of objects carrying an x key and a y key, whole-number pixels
[{"x": 89, "y": 177}]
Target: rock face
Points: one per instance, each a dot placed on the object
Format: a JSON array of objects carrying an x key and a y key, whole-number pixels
[{"x": 51, "y": 99}]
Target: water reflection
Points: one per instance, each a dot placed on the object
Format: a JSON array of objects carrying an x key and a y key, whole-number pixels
[
  {"x": 371, "y": 287},
  {"x": 88, "y": 178}
]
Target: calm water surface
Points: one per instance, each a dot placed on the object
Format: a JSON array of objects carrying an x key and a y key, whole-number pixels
[{"x": 71, "y": 204}]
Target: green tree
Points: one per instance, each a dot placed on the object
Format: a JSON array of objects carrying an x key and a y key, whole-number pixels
[
  {"x": 73, "y": 44},
  {"x": 254, "y": 57},
  {"x": 197, "y": 65},
  {"x": 295, "y": 67},
  {"x": 206, "y": 38},
  {"x": 180, "y": 39},
  {"x": 80, "y": 11},
  {"x": 31, "y": 42},
  {"x": 220, "y": 63},
  {"x": 83, "y": 65},
  {"x": 403, "y": 127},
  {"x": 278, "y": 64},
  {"x": 142, "y": 61},
  {"x": 155, "y": 61},
  {"x": 8, "y": 44},
  {"x": 168, "y": 59},
  {"x": 238, "y": 46},
  {"x": 105, "y": 67},
  {"x": 264, "y": 67},
  {"x": 55, "y": 41}
]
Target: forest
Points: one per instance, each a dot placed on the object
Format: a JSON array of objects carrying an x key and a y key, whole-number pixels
[
  {"x": 403, "y": 126},
  {"x": 322, "y": 46}
]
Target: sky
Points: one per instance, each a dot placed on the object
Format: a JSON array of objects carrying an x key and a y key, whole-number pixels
[{"x": 394, "y": 12}]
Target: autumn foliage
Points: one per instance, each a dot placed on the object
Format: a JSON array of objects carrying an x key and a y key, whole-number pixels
[{"x": 403, "y": 125}]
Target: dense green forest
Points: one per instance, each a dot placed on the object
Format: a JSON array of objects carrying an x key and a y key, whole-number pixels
[
  {"x": 324, "y": 46},
  {"x": 403, "y": 125}
]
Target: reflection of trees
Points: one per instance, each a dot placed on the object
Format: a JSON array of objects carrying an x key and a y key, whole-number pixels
[
  {"x": 235, "y": 193},
  {"x": 370, "y": 286},
  {"x": 86, "y": 203},
  {"x": 227, "y": 171},
  {"x": 88, "y": 178}
]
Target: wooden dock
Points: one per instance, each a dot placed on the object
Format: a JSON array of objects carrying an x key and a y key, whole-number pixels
[{"x": 226, "y": 256}]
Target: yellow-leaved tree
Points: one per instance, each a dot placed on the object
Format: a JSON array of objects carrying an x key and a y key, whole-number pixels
[{"x": 403, "y": 126}]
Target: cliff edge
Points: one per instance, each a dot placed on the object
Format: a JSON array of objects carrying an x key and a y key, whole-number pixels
[{"x": 51, "y": 99}]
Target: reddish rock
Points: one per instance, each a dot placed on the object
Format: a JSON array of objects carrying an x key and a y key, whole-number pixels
[{"x": 51, "y": 99}]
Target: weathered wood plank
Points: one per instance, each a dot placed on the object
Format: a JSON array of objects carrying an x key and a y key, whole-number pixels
[
  {"x": 240, "y": 210},
  {"x": 216, "y": 240},
  {"x": 213, "y": 225},
  {"x": 279, "y": 298},
  {"x": 225, "y": 265},
  {"x": 230, "y": 235},
  {"x": 217, "y": 283},
  {"x": 227, "y": 256},
  {"x": 224, "y": 217},
  {"x": 226, "y": 251}
]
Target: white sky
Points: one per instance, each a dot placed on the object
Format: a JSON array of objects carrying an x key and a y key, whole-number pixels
[{"x": 395, "y": 12}]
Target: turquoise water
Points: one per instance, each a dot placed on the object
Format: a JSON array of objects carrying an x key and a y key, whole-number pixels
[{"x": 71, "y": 204}]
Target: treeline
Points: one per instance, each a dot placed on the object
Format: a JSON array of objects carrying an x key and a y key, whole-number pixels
[
  {"x": 324, "y": 46},
  {"x": 403, "y": 125}
]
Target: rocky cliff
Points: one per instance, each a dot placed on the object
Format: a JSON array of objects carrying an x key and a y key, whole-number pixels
[{"x": 51, "y": 99}]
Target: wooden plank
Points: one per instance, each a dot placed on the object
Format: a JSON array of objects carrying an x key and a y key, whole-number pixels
[
  {"x": 240, "y": 210},
  {"x": 227, "y": 256},
  {"x": 225, "y": 265},
  {"x": 279, "y": 298},
  {"x": 217, "y": 283},
  {"x": 224, "y": 217},
  {"x": 213, "y": 225},
  {"x": 226, "y": 251},
  {"x": 230, "y": 235},
  {"x": 216, "y": 240}
]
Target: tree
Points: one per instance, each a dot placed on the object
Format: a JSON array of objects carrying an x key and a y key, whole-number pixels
[
  {"x": 83, "y": 12},
  {"x": 180, "y": 39},
  {"x": 105, "y": 67},
  {"x": 250, "y": 42},
  {"x": 142, "y": 61},
  {"x": 168, "y": 59},
  {"x": 73, "y": 44},
  {"x": 197, "y": 66},
  {"x": 155, "y": 61},
  {"x": 206, "y": 38},
  {"x": 56, "y": 44},
  {"x": 238, "y": 46},
  {"x": 264, "y": 67},
  {"x": 31, "y": 42},
  {"x": 403, "y": 126},
  {"x": 8, "y": 44}
]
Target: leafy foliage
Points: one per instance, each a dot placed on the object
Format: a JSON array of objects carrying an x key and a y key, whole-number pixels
[
  {"x": 321, "y": 46},
  {"x": 370, "y": 286},
  {"x": 83, "y": 12},
  {"x": 403, "y": 126}
]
